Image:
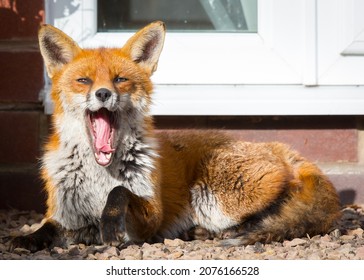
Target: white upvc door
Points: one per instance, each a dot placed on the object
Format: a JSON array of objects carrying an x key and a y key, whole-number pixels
[
  {"x": 305, "y": 59},
  {"x": 340, "y": 42}
]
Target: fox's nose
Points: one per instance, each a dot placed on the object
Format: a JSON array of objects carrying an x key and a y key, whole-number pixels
[{"x": 103, "y": 94}]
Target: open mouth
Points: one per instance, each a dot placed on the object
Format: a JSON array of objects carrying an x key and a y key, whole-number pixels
[{"x": 101, "y": 125}]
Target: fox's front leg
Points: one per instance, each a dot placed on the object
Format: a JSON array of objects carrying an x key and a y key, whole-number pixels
[
  {"x": 49, "y": 234},
  {"x": 128, "y": 217}
]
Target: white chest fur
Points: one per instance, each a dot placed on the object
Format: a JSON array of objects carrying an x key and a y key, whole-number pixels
[{"x": 82, "y": 186}]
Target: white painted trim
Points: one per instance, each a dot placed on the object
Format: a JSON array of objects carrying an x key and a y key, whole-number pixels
[
  {"x": 310, "y": 63},
  {"x": 240, "y": 100}
]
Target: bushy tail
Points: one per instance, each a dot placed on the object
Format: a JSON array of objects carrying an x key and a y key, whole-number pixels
[{"x": 310, "y": 206}]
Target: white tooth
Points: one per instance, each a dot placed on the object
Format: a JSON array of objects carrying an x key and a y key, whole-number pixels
[
  {"x": 108, "y": 156},
  {"x": 96, "y": 155}
]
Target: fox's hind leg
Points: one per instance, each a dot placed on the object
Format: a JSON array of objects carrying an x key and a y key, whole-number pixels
[
  {"x": 231, "y": 188},
  {"x": 263, "y": 193}
]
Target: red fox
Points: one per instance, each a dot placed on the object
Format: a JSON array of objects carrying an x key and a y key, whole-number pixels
[{"x": 111, "y": 179}]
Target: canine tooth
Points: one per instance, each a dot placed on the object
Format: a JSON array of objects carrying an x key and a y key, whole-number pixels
[{"x": 108, "y": 156}]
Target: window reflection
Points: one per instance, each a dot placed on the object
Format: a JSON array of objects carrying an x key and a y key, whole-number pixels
[{"x": 186, "y": 15}]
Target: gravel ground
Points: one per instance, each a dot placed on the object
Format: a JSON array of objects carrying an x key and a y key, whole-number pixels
[{"x": 346, "y": 242}]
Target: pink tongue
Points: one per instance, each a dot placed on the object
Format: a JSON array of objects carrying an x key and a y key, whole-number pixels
[{"x": 102, "y": 130}]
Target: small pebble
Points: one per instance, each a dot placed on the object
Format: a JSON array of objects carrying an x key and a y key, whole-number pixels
[
  {"x": 259, "y": 248},
  {"x": 295, "y": 242},
  {"x": 112, "y": 251},
  {"x": 74, "y": 250},
  {"x": 360, "y": 253},
  {"x": 57, "y": 250},
  {"x": 174, "y": 243},
  {"x": 357, "y": 232},
  {"x": 177, "y": 255},
  {"x": 325, "y": 238},
  {"x": 91, "y": 257},
  {"x": 25, "y": 228},
  {"x": 101, "y": 256},
  {"x": 347, "y": 237},
  {"x": 315, "y": 256}
]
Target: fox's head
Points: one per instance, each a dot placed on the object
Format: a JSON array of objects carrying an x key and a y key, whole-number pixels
[{"x": 99, "y": 86}]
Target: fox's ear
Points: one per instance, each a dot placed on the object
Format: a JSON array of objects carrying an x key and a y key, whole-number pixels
[
  {"x": 56, "y": 48},
  {"x": 146, "y": 45}
]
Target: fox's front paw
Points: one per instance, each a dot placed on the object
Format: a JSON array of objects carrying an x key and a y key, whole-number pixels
[
  {"x": 112, "y": 229},
  {"x": 30, "y": 242},
  {"x": 112, "y": 224},
  {"x": 47, "y": 235}
]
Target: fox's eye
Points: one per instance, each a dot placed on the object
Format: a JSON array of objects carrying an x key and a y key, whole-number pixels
[
  {"x": 120, "y": 80},
  {"x": 85, "y": 81}
]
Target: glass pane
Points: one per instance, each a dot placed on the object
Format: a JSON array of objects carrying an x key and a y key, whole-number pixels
[{"x": 179, "y": 15}]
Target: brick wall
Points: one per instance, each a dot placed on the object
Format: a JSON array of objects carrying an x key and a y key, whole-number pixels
[
  {"x": 333, "y": 142},
  {"x": 21, "y": 115}
]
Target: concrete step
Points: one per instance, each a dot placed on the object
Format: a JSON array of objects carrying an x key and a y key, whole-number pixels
[{"x": 348, "y": 179}]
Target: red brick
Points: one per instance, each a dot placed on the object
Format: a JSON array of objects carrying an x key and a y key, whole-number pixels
[
  {"x": 326, "y": 145},
  {"x": 22, "y": 190},
  {"x": 180, "y": 122},
  {"x": 21, "y": 18},
  {"x": 324, "y": 139},
  {"x": 19, "y": 139},
  {"x": 21, "y": 76}
]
